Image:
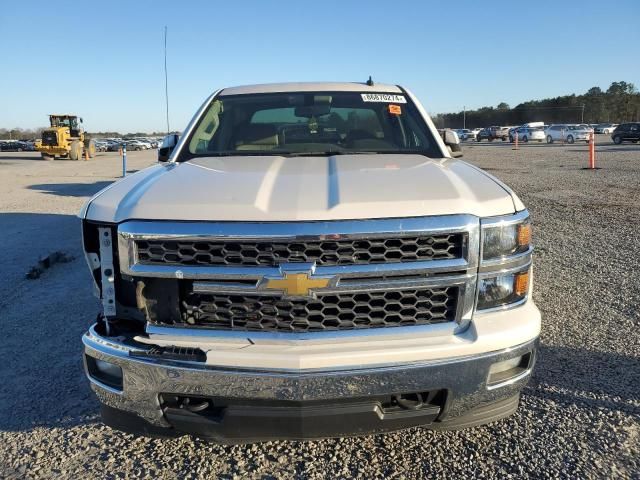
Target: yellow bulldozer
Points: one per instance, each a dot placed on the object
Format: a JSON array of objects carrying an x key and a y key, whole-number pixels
[{"x": 65, "y": 139}]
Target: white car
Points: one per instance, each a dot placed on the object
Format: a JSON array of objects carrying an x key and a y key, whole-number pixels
[
  {"x": 527, "y": 134},
  {"x": 465, "y": 134},
  {"x": 606, "y": 128},
  {"x": 146, "y": 144},
  {"x": 471, "y": 135},
  {"x": 567, "y": 133},
  {"x": 137, "y": 145}
]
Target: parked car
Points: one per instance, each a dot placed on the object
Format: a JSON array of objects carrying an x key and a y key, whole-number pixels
[
  {"x": 464, "y": 134},
  {"x": 526, "y": 134},
  {"x": 145, "y": 143},
  {"x": 241, "y": 317},
  {"x": 566, "y": 133},
  {"x": 471, "y": 133},
  {"x": 500, "y": 132},
  {"x": 588, "y": 128},
  {"x": 113, "y": 146},
  {"x": 101, "y": 146},
  {"x": 484, "y": 134},
  {"x": 626, "y": 132},
  {"x": 14, "y": 146},
  {"x": 152, "y": 143},
  {"x": 606, "y": 128},
  {"x": 137, "y": 145},
  {"x": 493, "y": 133}
]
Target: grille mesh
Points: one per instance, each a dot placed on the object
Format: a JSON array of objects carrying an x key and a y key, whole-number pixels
[
  {"x": 322, "y": 252},
  {"x": 344, "y": 311}
]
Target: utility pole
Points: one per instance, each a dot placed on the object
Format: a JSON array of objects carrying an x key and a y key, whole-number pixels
[
  {"x": 464, "y": 116},
  {"x": 582, "y": 117}
]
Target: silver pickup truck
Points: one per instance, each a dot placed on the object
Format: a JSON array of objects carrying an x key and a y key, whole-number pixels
[{"x": 308, "y": 260}]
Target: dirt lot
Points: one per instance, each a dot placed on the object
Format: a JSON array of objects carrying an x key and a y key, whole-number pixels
[{"x": 579, "y": 417}]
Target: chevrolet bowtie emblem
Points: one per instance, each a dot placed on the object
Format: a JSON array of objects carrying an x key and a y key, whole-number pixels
[{"x": 296, "y": 284}]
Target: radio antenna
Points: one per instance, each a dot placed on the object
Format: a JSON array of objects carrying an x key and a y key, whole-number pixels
[{"x": 166, "y": 82}]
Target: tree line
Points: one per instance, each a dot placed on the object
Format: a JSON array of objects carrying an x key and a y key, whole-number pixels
[{"x": 619, "y": 103}]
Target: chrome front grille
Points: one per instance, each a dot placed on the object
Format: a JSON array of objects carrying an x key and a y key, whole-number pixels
[
  {"x": 322, "y": 252},
  {"x": 361, "y": 275},
  {"x": 335, "y": 311}
]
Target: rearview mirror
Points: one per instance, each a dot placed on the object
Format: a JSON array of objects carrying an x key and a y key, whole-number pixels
[
  {"x": 309, "y": 111},
  {"x": 452, "y": 142},
  {"x": 168, "y": 144}
]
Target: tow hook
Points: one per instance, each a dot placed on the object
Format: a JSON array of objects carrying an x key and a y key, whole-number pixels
[{"x": 410, "y": 401}]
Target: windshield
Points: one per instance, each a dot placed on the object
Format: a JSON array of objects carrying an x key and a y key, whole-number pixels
[
  {"x": 311, "y": 123},
  {"x": 62, "y": 122}
]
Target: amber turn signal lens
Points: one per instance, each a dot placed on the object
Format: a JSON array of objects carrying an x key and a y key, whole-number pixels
[
  {"x": 524, "y": 235},
  {"x": 521, "y": 284}
]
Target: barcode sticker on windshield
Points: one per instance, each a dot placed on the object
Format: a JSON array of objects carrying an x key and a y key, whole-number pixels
[{"x": 383, "y": 97}]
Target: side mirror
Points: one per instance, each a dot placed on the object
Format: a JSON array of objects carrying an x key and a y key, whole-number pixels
[
  {"x": 452, "y": 142},
  {"x": 168, "y": 144}
]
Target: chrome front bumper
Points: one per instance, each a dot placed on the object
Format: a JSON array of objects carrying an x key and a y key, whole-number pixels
[{"x": 464, "y": 379}]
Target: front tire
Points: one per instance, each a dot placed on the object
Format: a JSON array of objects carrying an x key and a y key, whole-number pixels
[
  {"x": 525, "y": 139},
  {"x": 76, "y": 150},
  {"x": 47, "y": 157},
  {"x": 570, "y": 139},
  {"x": 549, "y": 139},
  {"x": 617, "y": 139}
]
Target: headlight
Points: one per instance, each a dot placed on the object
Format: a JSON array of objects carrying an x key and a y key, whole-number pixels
[
  {"x": 506, "y": 236},
  {"x": 502, "y": 289}
]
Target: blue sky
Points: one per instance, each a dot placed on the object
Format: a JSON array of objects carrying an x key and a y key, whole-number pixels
[{"x": 104, "y": 60}]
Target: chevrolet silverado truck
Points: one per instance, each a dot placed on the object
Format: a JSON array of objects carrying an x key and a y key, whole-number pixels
[{"x": 308, "y": 260}]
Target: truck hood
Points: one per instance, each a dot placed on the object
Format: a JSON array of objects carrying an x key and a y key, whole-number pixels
[{"x": 276, "y": 188}]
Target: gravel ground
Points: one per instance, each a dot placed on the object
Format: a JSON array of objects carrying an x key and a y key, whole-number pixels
[{"x": 579, "y": 416}]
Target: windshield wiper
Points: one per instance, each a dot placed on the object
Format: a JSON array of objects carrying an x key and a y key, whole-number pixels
[
  {"x": 309, "y": 154},
  {"x": 404, "y": 152},
  {"x": 319, "y": 153}
]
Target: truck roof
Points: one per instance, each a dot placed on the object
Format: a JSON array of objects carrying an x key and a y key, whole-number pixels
[{"x": 311, "y": 87}]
